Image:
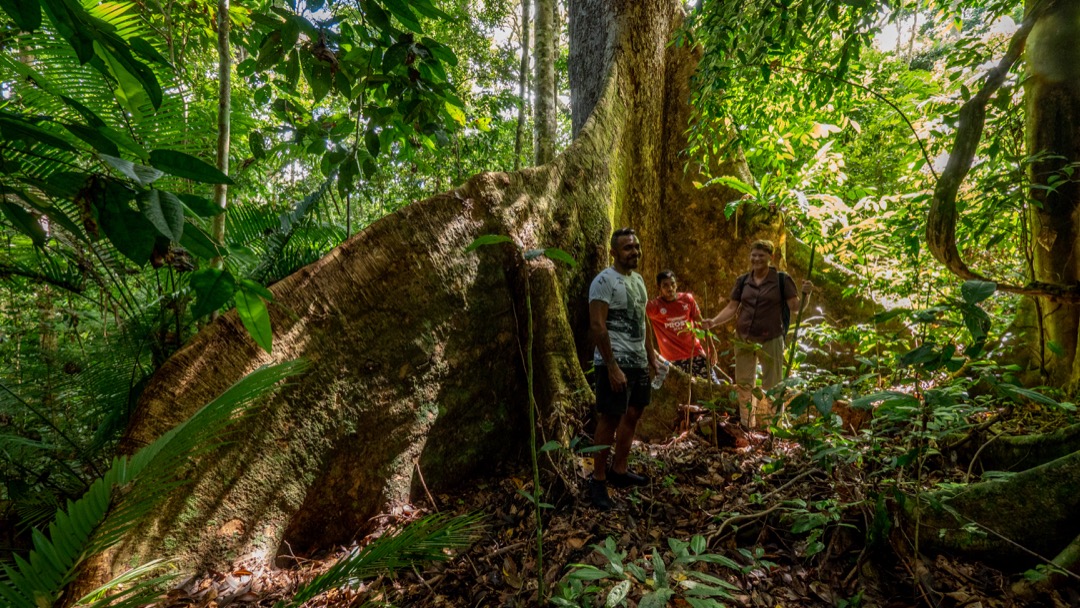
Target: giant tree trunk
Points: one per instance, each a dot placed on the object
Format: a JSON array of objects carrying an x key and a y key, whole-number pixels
[
  {"x": 1053, "y": 133},
  {"x": 545, "y": 118},
  {"x": 416, "y": 345}
]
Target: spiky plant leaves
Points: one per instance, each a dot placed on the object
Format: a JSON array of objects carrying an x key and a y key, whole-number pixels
[
  {"x": 127, "y": 492},
  {"x": 427, "y": 540}
]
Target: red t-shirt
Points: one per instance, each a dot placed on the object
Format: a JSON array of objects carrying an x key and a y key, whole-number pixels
[{"x": 669, "y": 320}]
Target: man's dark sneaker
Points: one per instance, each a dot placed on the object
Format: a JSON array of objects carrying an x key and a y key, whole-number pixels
[
  {"x": 598, "y": 495},
  {"x": 627, "y": 479}
]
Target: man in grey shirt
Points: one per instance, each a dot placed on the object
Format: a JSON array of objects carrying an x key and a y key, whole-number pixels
[{"x": 622, "y": 363}]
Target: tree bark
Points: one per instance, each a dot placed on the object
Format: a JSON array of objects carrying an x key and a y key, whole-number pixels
[
  {"x": 1053, "y": 133},
  {"x": 224, "y": 119},
  {"x": 523, "y": 83},
  {"x": 545, "y": 119}
]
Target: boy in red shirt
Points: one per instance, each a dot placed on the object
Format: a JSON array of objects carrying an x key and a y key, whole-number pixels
[{"x": 670, "y": 315}]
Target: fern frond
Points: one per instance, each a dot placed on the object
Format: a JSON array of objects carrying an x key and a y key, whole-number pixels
[
  {"x": 103, "y": 515},
  {"x": 422, "y": 541}
]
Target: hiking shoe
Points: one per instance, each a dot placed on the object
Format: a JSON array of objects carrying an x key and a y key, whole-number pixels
[
  {"x": 627, "y": 479},
  {"x": 598, "y": 495}
]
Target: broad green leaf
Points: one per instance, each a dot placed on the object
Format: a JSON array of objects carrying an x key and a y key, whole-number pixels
[
  {"x": 213, "y": 288},
  {"x": 975, "y": 291},
  {"x": 147, "y": 51},
  {"x": 25, "y": 13},
  {"x": 440, "y": 51},
  {"x": 70, "y": 20},
  {"x": 199, "y": 243},
  {"x": 560, "y": 255},
  {"x": 129, "y": 90},
  {"x": 200, "y": 206},
  {"x": 401, "y": 10},
  {"x": 320, "y": 78},
  {"x": 455, "y": 113},
  {"x": 257, "y": 288},
  {"x": 886, "y": 397},
  {"x": 131, "y": 233},
  {"x": 24, "y": 222},
  {"x": 488, "y": 239},
  {"x": 656, "y": 599},
  {"x": 617, "y": 594},
  {"x": 140, "y": 173},
  {"x": 187, "y": 166},
  {"x": 95, "y": 138},
  {"x": 255, "y": 317},
  {"x": 16, "y": 127},
  {"x": 371, "y": 142},
  {"x": 550, "y": 445},
  {"x": 165, "y": 212},
  {"x": 425, "y": 8}
]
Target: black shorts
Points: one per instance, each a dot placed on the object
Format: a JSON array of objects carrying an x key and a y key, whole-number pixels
[{"x": 638, "y": 392}]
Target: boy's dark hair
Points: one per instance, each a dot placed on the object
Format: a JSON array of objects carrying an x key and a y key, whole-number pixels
[
  {"x": 664, "y": 274},
  {"x": 620, "y": 233}
]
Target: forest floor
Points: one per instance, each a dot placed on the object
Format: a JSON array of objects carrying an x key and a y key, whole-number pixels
[{"x": 774, "y": 528}]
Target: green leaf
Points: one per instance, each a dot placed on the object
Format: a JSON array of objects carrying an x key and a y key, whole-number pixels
[
  {"x": 142, "y": 174},
  {"x": 95, "y": 138},
  {"x": 25, "y": 13},
  {"x": 371, "y": 142},
  {"x": 147, "y": 51},
  {"x": 257, "y": 288},
  {"x": 886, "y": 397},
  {"x": 25, "y": 223},
  {"x": 550, "y": 445},
  {"x": 70, "y": 20},
  {"x": 199, "y": 243},
  {"x": 320, "y": 78},
  {"x": 455, "y": 113},
  {"x": 488, "y": 239},
  {"x": 401, "y": 10},
  {"x": 131, "y": 233},
  {"x": 425, "y": 8},
  {"x": 561, "y": 256},
  {"x": 16, "y": 127},
  {"x": 656, "y": 599},
  {"x": 255, "y": 317},
  {"x": 200, "y": 206},
  {"x": 213, "y": 288},
  {"x": 617, "y": 594},
  {"x": 975, "y": 291},
  {"x": 735, "y": 184},
  {"x": 129, "y": 90},
  {"x": 187, "y": 166},
  {"x": 165, "y": 212},
  {"x": 440, "y": 51}
]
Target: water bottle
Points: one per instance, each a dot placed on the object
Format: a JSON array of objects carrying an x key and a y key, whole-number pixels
[{"x": 658, "y": 381}]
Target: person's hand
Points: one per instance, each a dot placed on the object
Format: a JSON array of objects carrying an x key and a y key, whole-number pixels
[
  {"x": 616, "y": 378},
  {"x": 654, "y": 367},
  {"x": 807, "y": 287},
  {"x": 707, "y": 324}
]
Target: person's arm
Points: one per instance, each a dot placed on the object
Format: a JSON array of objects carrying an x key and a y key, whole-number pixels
[
  {"x": 598, "y": 312},
  {"x": 794, "y": 303},
  {"x": 654, "y": 364},
  {"x": 727, "y": 314}
]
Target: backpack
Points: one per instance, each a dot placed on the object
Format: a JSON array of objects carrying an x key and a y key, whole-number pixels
[{"x": 785, "y": 312}]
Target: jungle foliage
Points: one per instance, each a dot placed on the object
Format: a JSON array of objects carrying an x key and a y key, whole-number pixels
[{"x": 346, "y": 111}]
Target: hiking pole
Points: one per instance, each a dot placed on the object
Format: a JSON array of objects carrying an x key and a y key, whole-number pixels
[{"x": 798, "y": 316}]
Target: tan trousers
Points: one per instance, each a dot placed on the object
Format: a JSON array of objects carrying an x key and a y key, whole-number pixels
[{"x": 771, "y": 356}]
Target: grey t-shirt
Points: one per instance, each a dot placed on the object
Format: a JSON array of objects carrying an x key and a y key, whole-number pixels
[{"x": 626, "y": 297}]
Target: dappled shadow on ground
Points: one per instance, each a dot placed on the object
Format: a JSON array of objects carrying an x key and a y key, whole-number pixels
[{"x": 772, "y": 527}]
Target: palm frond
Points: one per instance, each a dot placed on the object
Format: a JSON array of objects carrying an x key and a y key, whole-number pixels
[
  {"x": 290, "y": 222},
  {"x": 422, "y": 541},
  {"x": 103, "y": 515}
]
